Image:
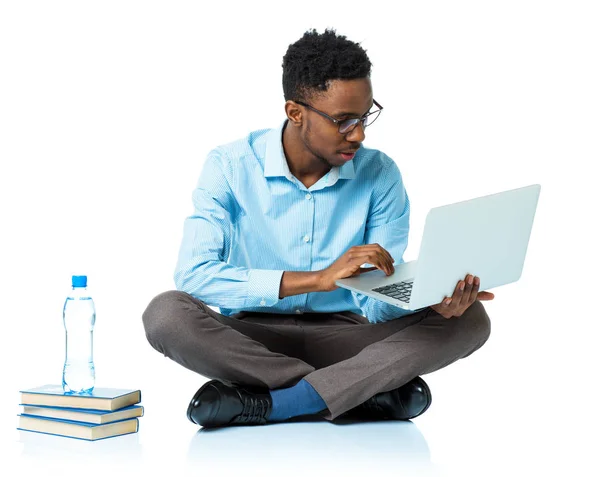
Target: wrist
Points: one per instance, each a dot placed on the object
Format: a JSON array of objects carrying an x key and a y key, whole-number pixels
[
  {"x": 325, "y": 282},
  {"x": 319, "y": 280}
]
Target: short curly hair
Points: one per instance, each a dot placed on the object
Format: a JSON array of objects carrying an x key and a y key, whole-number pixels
[{"x": 315, "y": 59}]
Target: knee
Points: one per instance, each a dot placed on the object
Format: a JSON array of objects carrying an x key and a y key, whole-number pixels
[
  {"x": 159, "y": 315},
  {"x": 477, "y": 323}
]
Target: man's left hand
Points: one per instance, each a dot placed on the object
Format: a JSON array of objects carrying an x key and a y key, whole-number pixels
[{"x": 465, "y": 294}]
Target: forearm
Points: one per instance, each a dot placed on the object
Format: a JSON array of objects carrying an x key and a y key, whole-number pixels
[
  {"x": 297, "y": 283},
  {"x": 224, "y": 285}
]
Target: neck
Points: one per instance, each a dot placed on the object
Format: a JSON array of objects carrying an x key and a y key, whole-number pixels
[{"x": 302, "y": 162}]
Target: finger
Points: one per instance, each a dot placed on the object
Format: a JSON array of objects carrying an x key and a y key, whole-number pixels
[
  {"x": 360, "y": 270},
  {"x": 372, "y": 249},
  {"x": 373, "y": 259},
  {"x": 391, "y": 262},
  {"x": 366, "y": 269},
  {"x": 448, "y": 306},
  {"x": 383, "y": 264},
  {"x": 467, "y": 287},
  {"x": 485, "y": 296},
  {"x": 458, "y": 292},
  {"x": 474, "y": 289},
  {"x": 389, "y": 256},
  {"x": 385, "y": 259},
  {"x": 384, "y": 252},
  {"x": 386, "y": 255}
]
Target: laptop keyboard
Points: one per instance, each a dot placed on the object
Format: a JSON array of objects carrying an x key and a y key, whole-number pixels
[{"x": 400, "y": 291}]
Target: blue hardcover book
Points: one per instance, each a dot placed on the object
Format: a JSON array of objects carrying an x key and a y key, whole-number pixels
[
  {"x": 77, "y": 430},
  {"x": 103, "y": 399},
  {"x": 92, "y": 416}
]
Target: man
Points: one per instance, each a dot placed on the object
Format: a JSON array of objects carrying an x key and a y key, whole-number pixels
[{"x": 280, "y": 216}]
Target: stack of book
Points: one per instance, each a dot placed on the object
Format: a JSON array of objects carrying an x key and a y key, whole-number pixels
[{"x": 105, "y": 412}]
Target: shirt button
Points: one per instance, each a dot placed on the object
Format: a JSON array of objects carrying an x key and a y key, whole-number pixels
[
  {"x": 263, "y": 302},
  {"x": 298, "y": 311},
  {"x": 306, "y": 238},
  {"x": 308, "y": 196}
]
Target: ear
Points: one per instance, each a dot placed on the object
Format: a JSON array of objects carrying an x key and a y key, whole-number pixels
[{"x": 294, "y": 113}]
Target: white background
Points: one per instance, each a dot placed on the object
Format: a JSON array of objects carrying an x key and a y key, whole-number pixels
[{"x": 107, "y": 111}]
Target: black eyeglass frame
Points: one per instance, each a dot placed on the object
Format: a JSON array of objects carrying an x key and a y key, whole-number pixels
[{"x": 339, "y": 122}]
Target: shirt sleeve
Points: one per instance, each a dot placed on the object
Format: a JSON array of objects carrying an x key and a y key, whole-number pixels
[
  {"x": 387, "y": 225},
  {"x": 202, "y": 269}
]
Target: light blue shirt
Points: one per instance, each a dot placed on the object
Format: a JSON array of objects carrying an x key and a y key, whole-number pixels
[{"x": 253, "y": 220}]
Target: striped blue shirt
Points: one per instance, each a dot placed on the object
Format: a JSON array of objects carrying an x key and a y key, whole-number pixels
[{"x": 253, "y": 220}]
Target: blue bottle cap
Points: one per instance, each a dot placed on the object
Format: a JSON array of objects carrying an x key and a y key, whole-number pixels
[{"x": 79, "y": 281}]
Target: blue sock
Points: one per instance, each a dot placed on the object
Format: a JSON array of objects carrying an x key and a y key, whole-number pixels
[{"x": 298, "y": 400}]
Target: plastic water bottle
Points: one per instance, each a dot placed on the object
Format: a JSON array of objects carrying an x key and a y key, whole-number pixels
[{"x": 79, "y": 316}]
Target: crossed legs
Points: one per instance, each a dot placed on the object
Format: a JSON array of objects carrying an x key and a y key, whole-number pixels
[{"x": 347, "y": 360}]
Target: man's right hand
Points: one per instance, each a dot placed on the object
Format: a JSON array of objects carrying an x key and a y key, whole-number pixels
[{"x": 349, "y": 264}]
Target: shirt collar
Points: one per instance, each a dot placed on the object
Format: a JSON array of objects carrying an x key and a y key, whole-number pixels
[{"x": 276, "y": 164}]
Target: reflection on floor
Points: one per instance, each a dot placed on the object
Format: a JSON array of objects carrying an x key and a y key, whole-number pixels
[{"x": 303, "y": 447}]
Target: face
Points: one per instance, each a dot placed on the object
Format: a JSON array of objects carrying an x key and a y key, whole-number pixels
[{"x": 344, "y": 99}]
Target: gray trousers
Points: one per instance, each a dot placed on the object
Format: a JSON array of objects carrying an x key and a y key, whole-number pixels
[{"x": 343, "y": 356}]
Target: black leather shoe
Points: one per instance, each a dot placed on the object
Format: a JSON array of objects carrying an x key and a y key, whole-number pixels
[
  {"x": 405, "y": 402},
  {"x": 216, "y": 404}
]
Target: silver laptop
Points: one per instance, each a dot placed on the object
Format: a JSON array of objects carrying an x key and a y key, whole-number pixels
[{"x": 486, "y": 237}]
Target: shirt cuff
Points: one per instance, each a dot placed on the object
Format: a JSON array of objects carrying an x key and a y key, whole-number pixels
[{"x": 263, "y": 287}]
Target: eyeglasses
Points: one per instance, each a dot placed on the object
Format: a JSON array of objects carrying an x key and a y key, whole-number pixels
[{"x": 346, "y": 126}]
